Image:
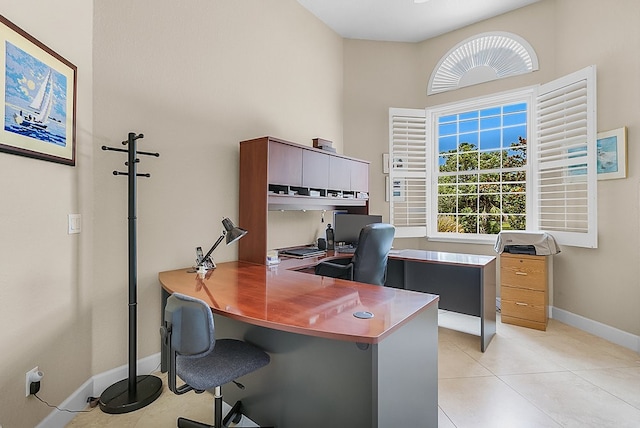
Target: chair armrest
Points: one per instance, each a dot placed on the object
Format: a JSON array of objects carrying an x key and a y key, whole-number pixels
[{"x": 335, "y": 270}]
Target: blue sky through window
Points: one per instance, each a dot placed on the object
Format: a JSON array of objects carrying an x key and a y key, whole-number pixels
[{"x": 491, "y": 128}]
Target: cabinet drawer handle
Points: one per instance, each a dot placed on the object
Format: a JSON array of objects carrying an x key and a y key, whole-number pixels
[
  {"x": 522, "y": 273},
  {"x": 521, "y": 304}
]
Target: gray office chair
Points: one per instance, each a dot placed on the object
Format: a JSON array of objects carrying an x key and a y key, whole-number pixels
[
  {"x": 369, "y": 262},
  {"x": 200, "y": 360}
]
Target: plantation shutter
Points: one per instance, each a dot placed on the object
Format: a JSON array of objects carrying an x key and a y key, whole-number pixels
[
  {"x": 407, "y": 172},
  {"x": 565, "y": 174}
]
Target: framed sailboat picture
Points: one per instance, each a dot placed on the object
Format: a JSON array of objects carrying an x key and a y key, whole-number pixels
[{"x": 39, "y": 98}]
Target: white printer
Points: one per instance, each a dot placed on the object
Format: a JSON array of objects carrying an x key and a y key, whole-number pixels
[{"x": 522, "y": 242}]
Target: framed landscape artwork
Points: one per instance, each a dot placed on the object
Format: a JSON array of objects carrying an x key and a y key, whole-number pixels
[
  {"x": 39, "y": 98},
  {"x": 612, "y": 154}
]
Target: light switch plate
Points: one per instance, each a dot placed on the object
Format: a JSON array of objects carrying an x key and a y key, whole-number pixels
[{"x": 75, "y": 223}]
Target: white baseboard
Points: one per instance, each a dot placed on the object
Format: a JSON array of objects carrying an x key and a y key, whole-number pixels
[
  {"x": 94, "y": 388},
  {"x": 604, "y": 331}
]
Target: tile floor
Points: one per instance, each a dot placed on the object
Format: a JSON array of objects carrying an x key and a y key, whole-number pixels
[{"x": 563, "y": 377}]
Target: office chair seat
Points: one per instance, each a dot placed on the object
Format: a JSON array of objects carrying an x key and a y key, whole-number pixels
[
  {"x": 369, "y": 262},
  {"x": 229, "y": 360},
  {"x": 200, "y": 360}
]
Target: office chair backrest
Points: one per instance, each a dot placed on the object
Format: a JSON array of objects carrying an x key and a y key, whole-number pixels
[
  {"x": 193, "y": 332},
  {"x": 370, "y": 259}
]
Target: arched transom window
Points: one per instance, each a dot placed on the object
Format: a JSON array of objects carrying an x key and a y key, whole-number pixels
[{"x": 482, "y": 58}]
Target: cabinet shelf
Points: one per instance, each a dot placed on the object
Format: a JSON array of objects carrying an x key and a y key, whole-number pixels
[
  {"x": 282, "y": 197},
  {"x": 300, "y": 202}
]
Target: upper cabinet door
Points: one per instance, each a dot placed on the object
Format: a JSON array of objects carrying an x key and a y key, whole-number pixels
[
  {"x": 315, "y": 169},
  {"x": 359, "y": 176},
  {"x": 285, "y": 164},
  {"x": 339, "y": 173}
]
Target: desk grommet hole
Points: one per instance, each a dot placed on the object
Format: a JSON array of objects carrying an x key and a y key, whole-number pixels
[{"x": 365, "y": 315}]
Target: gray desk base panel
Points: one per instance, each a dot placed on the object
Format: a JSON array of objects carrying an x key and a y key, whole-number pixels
[
  {"x": 468, "y": 290},
  {"x": 315, "y": 382}
]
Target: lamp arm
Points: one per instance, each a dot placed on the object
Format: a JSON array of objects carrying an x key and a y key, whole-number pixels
[{"x": 206, "y": 256}]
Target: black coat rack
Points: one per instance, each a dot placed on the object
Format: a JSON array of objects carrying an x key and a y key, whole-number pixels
[{"x": 136, "y": 391}]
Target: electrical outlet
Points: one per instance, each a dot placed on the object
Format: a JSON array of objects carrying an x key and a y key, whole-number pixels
[{"x": 33, "y": 375}]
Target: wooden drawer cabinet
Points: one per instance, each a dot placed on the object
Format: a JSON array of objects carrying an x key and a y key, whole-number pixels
[{"x": 523, "y": 290}]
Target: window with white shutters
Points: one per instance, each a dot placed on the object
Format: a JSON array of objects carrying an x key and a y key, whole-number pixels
[{"x": 550, "y": 184}]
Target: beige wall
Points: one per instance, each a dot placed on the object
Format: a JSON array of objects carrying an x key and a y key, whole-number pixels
[
  {"x": 567, "y": 35},
  {"x": 196, "y": 78},
  {"x": 45, "y": 274}
]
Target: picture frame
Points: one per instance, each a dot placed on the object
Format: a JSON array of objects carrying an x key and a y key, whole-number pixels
[
  {"x": 38, "y": 88},
  {"x": 612, "y": 154}
]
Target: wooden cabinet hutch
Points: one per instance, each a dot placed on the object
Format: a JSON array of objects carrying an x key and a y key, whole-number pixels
[{"x": 281, "y": 175}]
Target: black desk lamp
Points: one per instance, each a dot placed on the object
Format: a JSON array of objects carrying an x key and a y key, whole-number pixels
[{"x": 232, "y": 232}]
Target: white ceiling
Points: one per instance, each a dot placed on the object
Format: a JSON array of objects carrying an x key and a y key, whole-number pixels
[{"x": 405, "y": 20}]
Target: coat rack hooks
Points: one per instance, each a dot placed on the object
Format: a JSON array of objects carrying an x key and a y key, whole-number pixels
[{"x": 136, "y": 391}]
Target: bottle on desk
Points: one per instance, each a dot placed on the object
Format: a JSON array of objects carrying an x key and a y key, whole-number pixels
[{"x": 330, "y": 243}]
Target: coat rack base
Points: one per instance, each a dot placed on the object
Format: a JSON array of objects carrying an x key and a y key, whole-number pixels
[{"x": 118, "y": 398}]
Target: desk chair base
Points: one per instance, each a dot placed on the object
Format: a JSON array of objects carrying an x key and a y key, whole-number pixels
[{"x": 234, "y": 415}]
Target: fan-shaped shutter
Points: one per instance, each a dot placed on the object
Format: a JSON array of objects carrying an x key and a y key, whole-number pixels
[{"x": 485, "y": 57}]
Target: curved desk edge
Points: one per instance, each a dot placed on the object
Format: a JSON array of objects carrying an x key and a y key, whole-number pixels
[{"x": 281, "y": 299}]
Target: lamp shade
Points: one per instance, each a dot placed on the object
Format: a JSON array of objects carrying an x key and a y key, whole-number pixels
[{"x": 233, "y": 232}]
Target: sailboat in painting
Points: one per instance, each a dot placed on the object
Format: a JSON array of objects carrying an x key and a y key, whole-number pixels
[{"x": 41, "y": 104}]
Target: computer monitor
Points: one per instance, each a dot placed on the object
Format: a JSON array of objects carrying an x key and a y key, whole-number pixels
[{"x": 347, "y": 226}]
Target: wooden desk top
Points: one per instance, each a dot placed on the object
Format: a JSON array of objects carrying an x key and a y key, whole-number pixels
[{"x": 282, "y": 299}]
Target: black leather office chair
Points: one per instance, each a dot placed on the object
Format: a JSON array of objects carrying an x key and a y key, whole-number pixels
[
  {"x": 200, "y": 360},
  {"x": 369, "y": 262}
]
